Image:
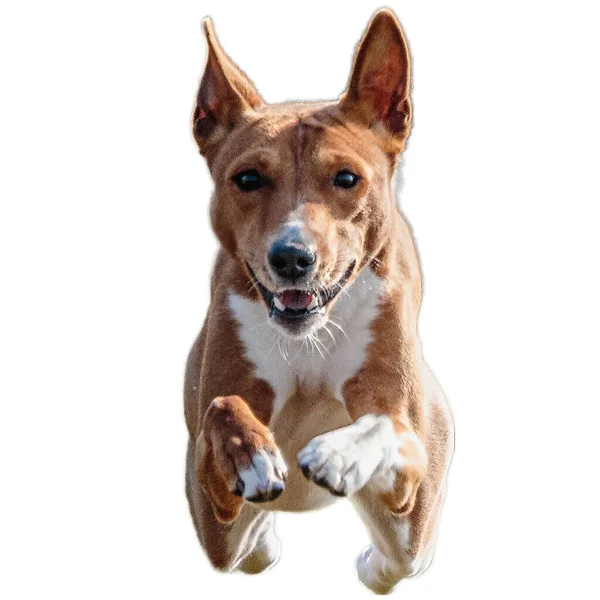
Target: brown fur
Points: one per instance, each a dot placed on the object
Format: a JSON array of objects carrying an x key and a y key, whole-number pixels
[{"x": 298, "y": 147}]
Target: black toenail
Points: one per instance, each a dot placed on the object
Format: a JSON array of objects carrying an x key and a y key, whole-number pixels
[
  {"x": 277, "y": 490},
  {"x": 239, "y": 488}
]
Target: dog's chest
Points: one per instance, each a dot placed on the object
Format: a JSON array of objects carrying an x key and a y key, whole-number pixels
[{"x": 328, "y": 360}]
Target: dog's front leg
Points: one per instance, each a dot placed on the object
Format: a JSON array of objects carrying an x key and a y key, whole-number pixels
[
  {"x": 381, "y": 450},
  {"x": 237, "y": 458}
]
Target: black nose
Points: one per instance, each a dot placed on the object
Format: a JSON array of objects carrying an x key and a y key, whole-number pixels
[{"x": 291, "y": 260}]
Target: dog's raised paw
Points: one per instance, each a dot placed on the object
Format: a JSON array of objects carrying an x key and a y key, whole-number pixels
[
  {"x": 263, "y": 479},
  {"x": 341, "y": 461}
]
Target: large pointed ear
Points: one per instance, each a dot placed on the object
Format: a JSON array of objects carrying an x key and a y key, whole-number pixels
[
  {"x": 224, "y": 97},
  {"x": 378, "y": 93}
]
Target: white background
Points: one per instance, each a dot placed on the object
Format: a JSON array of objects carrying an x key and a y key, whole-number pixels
[{"x": 106, "y": 256}]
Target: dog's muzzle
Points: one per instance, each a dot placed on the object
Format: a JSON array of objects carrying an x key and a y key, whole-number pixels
[{"x": 297, "y": 310}]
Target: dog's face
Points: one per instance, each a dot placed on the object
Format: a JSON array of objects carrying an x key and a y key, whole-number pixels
[{"x": 302, "y": 191}]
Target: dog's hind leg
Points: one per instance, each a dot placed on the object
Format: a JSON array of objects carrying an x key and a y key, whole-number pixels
[
  {"x": 402, "y": 546},
  {"x": 359, "y": 461}
]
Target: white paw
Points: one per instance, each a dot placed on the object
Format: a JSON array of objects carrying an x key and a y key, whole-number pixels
[
  {"x": 265, "y": 554},
  {"x": 264, "y": 479},
  {"x": 343, "y": 461},
  {"x": 376, "y": 573}
]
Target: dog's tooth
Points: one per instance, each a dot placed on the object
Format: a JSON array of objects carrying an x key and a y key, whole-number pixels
[
  {"x": 278, "y": 304},
  {"x": 313, "y": 302}
]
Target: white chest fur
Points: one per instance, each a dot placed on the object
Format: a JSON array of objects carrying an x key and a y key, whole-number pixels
[{"x": 333, "y": 355}]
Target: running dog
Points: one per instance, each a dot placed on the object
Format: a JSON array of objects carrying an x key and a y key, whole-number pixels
[{"x": 307, "y": 381}]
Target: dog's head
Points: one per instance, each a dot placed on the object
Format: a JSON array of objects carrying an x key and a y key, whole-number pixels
[{"x": 302, "y": 191}]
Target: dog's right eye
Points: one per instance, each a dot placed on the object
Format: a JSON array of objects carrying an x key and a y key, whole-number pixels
[{"x": 248, "y": 181}]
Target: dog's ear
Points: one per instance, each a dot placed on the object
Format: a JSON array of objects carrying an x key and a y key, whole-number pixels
[
  {"x": 378, "y": 93},
  {"x": 224, "y": 97}
]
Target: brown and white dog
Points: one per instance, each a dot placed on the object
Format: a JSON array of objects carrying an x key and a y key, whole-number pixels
[{"x": 307, "y": 380}]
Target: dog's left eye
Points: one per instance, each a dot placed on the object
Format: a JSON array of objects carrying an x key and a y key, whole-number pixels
[
  {"x": 248, "y": 181},
  {"x": 345, "y": 179}
]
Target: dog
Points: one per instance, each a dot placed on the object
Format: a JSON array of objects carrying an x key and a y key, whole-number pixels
[{"x": 307, "y": 381}]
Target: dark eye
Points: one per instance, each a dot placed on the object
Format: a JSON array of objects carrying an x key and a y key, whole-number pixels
[
  {"x": 345, "y": 179},
  {"x": 248, "y": 181}
]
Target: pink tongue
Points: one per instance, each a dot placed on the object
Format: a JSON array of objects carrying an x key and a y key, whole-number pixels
[{"x": 295, "y": 299}]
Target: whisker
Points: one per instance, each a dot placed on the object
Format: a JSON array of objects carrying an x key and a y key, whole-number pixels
[
  {"x": 299, "y": 350},
  {"x": 318, "y": 344},
  {"x": 319, "y": 351},
  {"x": 253, "y": 285},
  {"x": 343, "y": 289},
  {"x": 280, "y": 347},
  {"x": 314, "y": 346},
  {"x": 286, "y": 349},
  {"x": 373, "y": 259},
  {"x": 330, "y": 335},
  {"x": 276, "y": 343},
  {"x": 339, "y": 327}
]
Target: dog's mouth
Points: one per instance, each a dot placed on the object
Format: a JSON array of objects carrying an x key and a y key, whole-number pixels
[{"x": 292, "y": 303}]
